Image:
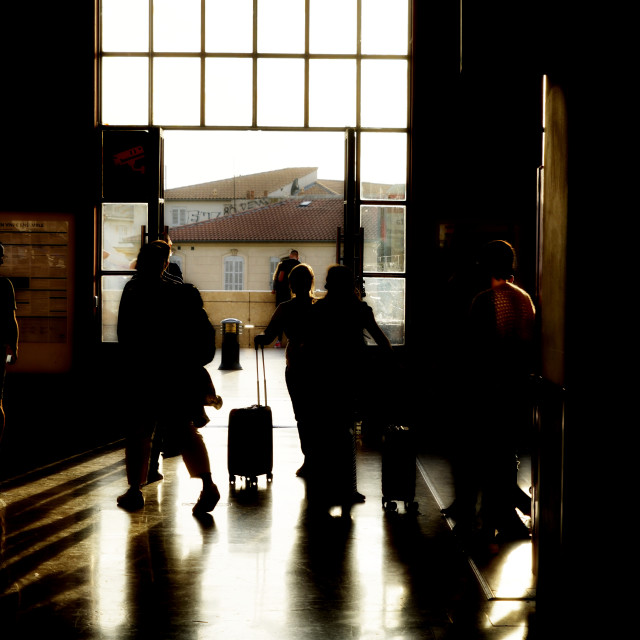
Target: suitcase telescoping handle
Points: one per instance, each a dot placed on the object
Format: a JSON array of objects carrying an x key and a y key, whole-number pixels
[{"x": 264, "y": 375}]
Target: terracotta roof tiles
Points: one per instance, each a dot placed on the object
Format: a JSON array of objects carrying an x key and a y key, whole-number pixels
[{"x": 295, "y": 220}]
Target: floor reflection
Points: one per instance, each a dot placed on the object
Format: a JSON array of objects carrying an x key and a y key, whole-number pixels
[{"x": 75, "y": 565}]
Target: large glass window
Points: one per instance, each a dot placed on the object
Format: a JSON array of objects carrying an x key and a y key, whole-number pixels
[{"x": 252, "y": 86}]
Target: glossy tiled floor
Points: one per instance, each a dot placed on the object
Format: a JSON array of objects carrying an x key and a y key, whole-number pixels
[{"x": 73, "y": 565}]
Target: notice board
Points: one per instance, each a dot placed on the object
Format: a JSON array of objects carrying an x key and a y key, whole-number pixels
[{"x": 39, "y": 249}]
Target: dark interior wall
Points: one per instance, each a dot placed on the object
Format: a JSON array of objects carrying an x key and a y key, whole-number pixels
[{"x": 49, "y": 164}]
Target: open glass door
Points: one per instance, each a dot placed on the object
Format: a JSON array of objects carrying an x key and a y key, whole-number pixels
[
  {"x": 374, "y": 239},
  {"x": 131, "y": 211}
]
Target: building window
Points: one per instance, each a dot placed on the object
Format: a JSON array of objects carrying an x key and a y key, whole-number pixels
[
  {"x": 273, "y": 265},
  {"x": 233, "y": 273}
]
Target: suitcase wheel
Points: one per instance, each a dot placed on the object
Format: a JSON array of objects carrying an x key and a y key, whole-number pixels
[
  {"x": 269, "y": 477},
  {"x": 389, "y": 505}
]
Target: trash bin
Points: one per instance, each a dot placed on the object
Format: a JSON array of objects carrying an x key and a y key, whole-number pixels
[{"x": 231, "y": 328}]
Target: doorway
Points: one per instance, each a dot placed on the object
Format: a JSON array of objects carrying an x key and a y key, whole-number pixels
[{"x": 311, "y": 84}]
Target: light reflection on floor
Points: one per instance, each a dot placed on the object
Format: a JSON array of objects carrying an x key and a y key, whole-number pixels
[{"x": 74, "y": 563}]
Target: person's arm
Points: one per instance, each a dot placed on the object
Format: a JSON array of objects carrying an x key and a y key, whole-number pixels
[
  {"x": 12, "y": 345},
  {"x": 274, "y": 329},
  {"x": 276, "y": 275},
  {"x": 374, "y": 330},
  {"x": 11, "y": 324}
]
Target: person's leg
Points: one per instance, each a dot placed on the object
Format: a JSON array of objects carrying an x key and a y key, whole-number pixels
[
  {"x": 153, "y": 474},
  {"x": 196, "y": 459},
  {"x": 296, "y": 394},
  {"x": 137, "y": 451}
]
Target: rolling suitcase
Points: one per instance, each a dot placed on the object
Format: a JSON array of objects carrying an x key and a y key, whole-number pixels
[
  {"x": 250, "y": 438},
  {"x": 398, "y": 468}
]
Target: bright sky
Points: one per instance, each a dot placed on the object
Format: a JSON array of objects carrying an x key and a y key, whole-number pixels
[{"x": 192, "y": 157}]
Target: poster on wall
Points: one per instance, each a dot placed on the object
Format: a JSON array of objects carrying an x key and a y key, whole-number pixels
[{"x": 38, "y": 259}]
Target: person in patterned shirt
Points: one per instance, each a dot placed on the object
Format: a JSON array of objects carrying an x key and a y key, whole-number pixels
[{"x": 501, "y": 328}]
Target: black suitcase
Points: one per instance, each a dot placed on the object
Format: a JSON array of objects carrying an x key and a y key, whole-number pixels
[
  {"x": 250, "y": 438},
  {"x": 398, "y": 468}
]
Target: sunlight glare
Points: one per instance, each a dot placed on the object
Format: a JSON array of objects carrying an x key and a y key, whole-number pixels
[
  {"x": 176, "y": 25},
  {"x": 329, "y": 79},
  {"x": 125, "y": 97},
  {"x": 333, "y": 26},
  {"x": 384, "y": 93},
  {"x": 125, "y": 25},
  {"x": 228, "y": 91},
  {"x": 229, "y": 26},
  {"x": 176, "y": 93},
  {"x": 515, "y": 576},
  {"x": 280, "y": 92},
  {"x": 385, "y": 31},
  {"x": 192, "y": 157},
  {"x": 281, "y": 26}
]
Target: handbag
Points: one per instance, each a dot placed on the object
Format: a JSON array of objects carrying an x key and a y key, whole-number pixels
[{"x": 207, "y": 390}]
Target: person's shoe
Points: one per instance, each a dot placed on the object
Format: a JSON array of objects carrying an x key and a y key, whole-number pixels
[
  {"x": 452, "y": 511},
  {"x": 358, "y": 497},
  {"x": 154, "y": 476},
  {"x": 207, "y": 502},
  {"x": 132, "y": 500}
]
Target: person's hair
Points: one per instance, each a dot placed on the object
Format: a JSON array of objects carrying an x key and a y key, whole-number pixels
[
  {"x": 293, "y": 252},
  {"x": 153, "y": 257},
  {"x": 301, "y": 280},
  {"x": 340, "y": 282},
  {"x": 498, "y": 259}
]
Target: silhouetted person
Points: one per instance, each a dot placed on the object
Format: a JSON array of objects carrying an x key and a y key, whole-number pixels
[
  {"x": 162, "y": 442},
  {"x": 291, "y": 318},
  {"x": 500, "y": 359},
  {"x": 155, "y": 322},
  {"x": 337, "y": 345},
  {"x": 281, "y": 279},
  {"x": 8, "y": 333},
  {"x": 173, "y": 268}
]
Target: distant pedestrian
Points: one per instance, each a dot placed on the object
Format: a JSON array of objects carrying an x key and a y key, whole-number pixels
[
  {"x": 281, "y": 277},
  {"x": 281, "y": 281}
]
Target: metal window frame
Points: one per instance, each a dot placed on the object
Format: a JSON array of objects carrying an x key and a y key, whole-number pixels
[{"x": 353, "y": 201}]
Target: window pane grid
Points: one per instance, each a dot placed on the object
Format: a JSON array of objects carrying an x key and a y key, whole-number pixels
[
  {"x": 217, "y": 29},
  {"x": 224, "y": 49}
]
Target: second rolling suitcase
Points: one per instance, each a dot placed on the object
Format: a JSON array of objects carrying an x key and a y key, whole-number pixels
[
  {"x": 250, "y": 439},
  {"x": 398, "y": 468}
]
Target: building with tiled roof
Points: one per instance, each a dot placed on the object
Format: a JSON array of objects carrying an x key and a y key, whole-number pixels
[
  {"x": 239, "y": 228},
  {"x": 252, "y": 243},
  {"x": 218, "y": 198}
]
